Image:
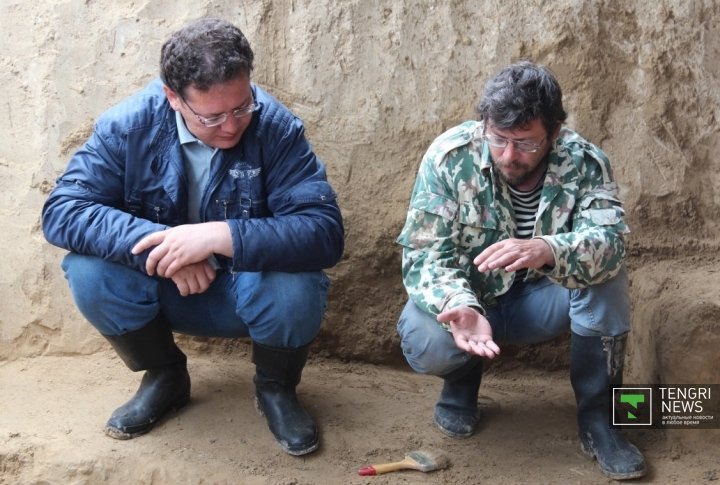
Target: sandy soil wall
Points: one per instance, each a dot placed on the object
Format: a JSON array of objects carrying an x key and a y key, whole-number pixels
[{"x": 375, "y": 82}]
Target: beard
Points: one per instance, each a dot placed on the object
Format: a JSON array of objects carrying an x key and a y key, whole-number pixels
[{"x": 516, "y": 173}]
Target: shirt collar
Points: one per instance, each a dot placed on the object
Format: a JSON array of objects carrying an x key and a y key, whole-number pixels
[{"x": 184, "y": 134}]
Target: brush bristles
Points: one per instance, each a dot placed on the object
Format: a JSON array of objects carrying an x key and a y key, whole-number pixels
[{"x": 430, "y": 460}]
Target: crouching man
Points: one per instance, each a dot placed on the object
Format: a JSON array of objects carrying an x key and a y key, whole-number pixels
[
  {"x": 515, "y": 235},
  {"x": 198, "y": 206}
]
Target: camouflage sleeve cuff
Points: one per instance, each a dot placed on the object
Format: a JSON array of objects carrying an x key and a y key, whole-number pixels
[
  {"x": 463, "y": 299},
  {"x": 556, "y": 250},
  {"x": 583, "y": 261}
]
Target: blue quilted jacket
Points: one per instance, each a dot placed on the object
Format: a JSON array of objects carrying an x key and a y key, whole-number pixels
[{"x": 128, "y": 181}]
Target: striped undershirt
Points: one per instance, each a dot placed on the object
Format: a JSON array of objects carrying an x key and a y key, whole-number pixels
[{"x": 526, "y": 206}]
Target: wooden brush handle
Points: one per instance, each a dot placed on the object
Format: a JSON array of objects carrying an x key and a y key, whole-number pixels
[{"x": 393, "y": 467}]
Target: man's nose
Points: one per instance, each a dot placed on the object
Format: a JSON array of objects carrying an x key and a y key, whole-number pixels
[
  {"x": 510, "y": 152},
  {"x": 231, "y": 123}
]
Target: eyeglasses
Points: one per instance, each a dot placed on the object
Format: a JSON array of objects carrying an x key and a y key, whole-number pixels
[
  {"x": 220, "y": 119},
  {"x": 496, "y": 141}
]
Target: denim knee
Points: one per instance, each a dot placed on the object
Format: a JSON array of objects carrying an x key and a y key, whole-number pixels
[
  {"x": 602, "y": 309},
  {"x": 282, "y": 309},
  {"x": 114, "y": 298},
  {"x": 531, "y": 312},
  {"x": 427, "y": 347}
]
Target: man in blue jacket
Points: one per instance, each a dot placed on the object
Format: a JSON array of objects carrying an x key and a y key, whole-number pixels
[{"x": 198, "y": 206}]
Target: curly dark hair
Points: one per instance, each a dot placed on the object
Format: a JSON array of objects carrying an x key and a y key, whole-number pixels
[
  {"x": 203, "y": 53},
  {"x": 520, "y": 93}
]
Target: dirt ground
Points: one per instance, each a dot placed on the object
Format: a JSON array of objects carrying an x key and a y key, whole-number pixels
[{"x": 54, "y": 408}]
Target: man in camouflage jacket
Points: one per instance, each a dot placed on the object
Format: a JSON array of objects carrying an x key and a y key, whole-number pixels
[{"x": 479, "y": 273}]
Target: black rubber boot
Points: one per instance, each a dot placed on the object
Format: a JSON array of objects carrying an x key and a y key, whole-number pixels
[
  {"x": 456, "y": 412},
  {"x": 596, "y": 365},
  {"x": 164, "y": 387},
  {"x": 277, "y": 373}
]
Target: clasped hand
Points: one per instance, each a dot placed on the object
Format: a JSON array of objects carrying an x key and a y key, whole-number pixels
[{"x": 181, "y": 253}]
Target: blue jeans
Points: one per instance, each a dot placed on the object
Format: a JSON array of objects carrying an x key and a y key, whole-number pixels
[
  {"x": 529, "y": 312},
  {"x": 272, "y": 308}
]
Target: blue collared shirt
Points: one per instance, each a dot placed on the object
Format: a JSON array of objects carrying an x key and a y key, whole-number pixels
[{"x": 197, "y": 158}]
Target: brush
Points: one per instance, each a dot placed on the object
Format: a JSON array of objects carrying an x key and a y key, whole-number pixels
[{"x": 425, "y": 461}]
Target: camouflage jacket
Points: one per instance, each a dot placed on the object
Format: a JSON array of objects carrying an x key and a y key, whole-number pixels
[{"x": 458, "y": 208}]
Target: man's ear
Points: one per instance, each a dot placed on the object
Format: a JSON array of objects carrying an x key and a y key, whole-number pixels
[{"x": 172, "y": 97}]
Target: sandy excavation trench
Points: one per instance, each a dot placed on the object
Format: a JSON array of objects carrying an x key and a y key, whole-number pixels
[{"x": 375, "y": 82}]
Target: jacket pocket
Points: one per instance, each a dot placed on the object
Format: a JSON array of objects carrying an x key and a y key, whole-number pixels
[
  {"x": 602, "y": 209},
  {"x": 435, "y": 204},
  {"x": 152, "y": 207},
  {"x": 480, "y": 216},
  {"x": 237, "y": 206},
  {"x": 479, "y": 228},
  {"x": 157, "y": 211}
]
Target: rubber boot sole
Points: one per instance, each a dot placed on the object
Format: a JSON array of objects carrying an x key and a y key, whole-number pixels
[
  {"x": 119, "y": 434},
  {"x": 615, "y": 476},
  {"x": 463, "y": 426},
  {"x": 284, "y": 445}
]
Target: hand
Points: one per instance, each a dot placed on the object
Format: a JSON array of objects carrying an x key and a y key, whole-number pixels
[
  {"x": 471, "y": 331},
  {"x": 194, "y": 278},
  {"x": 181, "y": 246},
  {"x": 515, "y": 254}
]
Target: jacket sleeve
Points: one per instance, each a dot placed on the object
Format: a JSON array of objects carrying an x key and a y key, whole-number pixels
[
  {"x": 83, "y": 213},
  {"x": 594, "y": 250},
  {"x": 431, "y": 267},
  {"x": 305, "y": 231}
]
